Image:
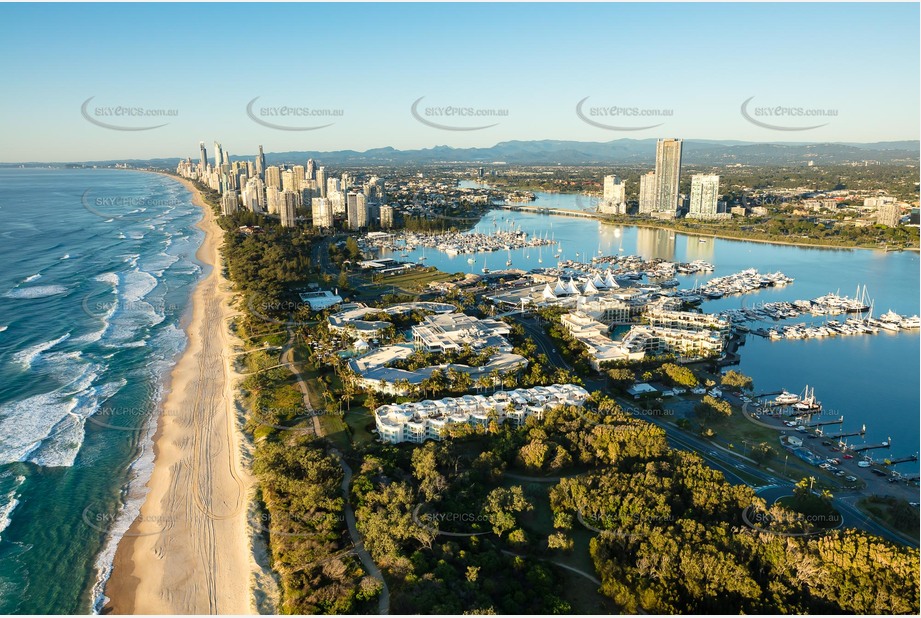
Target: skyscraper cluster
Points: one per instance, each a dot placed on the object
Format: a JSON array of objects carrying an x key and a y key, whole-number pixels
[
  {"x": 282, "y": 190},
  {"x": 658, "y": 190}
]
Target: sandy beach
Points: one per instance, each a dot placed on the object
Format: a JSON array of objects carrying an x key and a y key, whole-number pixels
[{"x": 188, "y": 551}]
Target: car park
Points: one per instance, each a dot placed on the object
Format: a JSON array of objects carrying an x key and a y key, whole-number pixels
[{"x": 825, "y": 466}]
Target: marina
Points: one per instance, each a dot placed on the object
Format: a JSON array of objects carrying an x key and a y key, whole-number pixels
[
  {"x": 804, "y": 414},
  {"x": 826, "y": 361}
]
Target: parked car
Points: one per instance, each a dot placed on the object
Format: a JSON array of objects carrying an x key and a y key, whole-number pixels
[
  {"x": 863, "y": 464},
  {"x": 840, "y": 473},
  {"x": 878, "y": 472},
  {"x": 850, "y": 479},
  {"x": 848, "y": 456}
]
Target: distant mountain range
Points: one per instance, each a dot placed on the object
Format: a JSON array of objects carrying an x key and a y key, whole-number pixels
[{"x": 620, "y": 151}]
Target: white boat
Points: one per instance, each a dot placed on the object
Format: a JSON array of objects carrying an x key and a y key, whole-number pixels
[
  {"x": 890, "y": 316},
  {"x": 786, "y": 399},
  {"x": 911, "y": 322}
]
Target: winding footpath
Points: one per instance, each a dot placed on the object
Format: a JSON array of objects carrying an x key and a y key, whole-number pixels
[{"x": 287, "y": 359}]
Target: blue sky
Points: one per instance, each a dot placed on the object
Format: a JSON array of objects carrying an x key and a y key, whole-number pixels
[{"x": 372, "y": 61}]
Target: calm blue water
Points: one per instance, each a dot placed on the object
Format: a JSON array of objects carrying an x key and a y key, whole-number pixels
[
  {"x": 97, "y": 269},
  {"x": 871, "y": 379}
]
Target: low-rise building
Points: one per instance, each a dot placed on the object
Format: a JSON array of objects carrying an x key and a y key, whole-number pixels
[
  {"x": 320, "y": 300},
  {"x": 430, "y": 420},
  {"x": 452, "y": 331}
]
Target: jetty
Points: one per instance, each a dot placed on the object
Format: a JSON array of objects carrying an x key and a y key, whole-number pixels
[
  {"x": 898, "y": 460},
  {"x": 869, "y": 447},
  {"x": 847, "y": 434}
]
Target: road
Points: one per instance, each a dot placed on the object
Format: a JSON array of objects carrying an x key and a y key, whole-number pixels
[{"x": 730, "y": 464}]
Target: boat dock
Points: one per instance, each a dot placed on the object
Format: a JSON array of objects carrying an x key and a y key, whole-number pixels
[
  {"x": 847, "y": 434},
  {"x": 837, "y": 421},
  {"x": 898, "y": 460},
  {"x": 868, "y": 447}
]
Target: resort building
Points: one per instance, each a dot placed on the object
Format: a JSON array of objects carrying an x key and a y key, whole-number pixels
[
  {"x": 452, "y": 331},
  {"x": 686, "y": 334},
  {"x": 594, "y": 336},
  {"x": 687, "y": 320},
  {"x": 320, "y": 300},
  {"x": 430, "y": 420}
]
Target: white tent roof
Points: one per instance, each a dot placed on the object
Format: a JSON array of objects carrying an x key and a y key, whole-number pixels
[
  {"x": 561, "y": 288},
  {"x": 610, "y": 282},
  {"x": 548, "y": 292},
  {"x": 589, "y": 288}
]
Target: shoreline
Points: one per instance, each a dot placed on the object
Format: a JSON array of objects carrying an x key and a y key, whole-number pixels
[
  {"x": 188, "y": 551},
  {"x": 783, "y": 243}
]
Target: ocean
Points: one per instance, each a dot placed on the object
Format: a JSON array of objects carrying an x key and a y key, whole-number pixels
[{"x": 97, "y": 271}]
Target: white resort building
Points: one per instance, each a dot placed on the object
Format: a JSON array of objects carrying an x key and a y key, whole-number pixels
[
  {"x": 429, "y": 420},
  {"x": 686, "y": 334},
  {"x": 443, "y": 330}
]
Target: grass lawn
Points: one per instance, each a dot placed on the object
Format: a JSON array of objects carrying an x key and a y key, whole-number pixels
[
  {"x": 336, "y": 431},
  {"x": 413, "y": 281},
  {"x": 358, "y": 419}
]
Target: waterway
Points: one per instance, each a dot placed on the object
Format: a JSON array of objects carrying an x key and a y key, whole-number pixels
[{"x": 870, "y": 379}]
